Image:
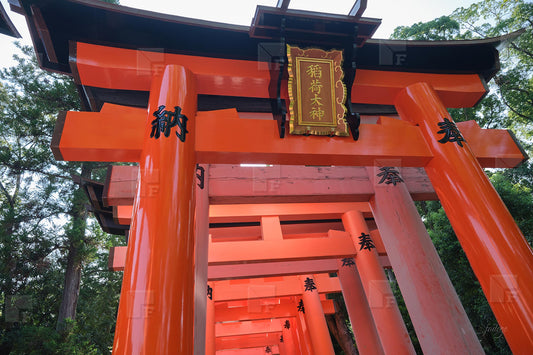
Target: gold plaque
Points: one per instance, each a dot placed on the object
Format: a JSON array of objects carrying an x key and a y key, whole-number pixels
[{"x": 316, "y": 92}]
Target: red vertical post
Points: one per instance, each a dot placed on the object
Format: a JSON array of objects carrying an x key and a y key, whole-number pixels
[
  {"x": 210, "y": 334},
  {"x": 314, "y": 317},
  {"x": 438, "y": 316},
  {"x": 364, "y": 329},
  {"x": 289, "y": 337},
  {"x": 498, "y": 253},
  {"x": 389, "y": 323},
  {"x": 201, "y": 260},
  {"x": 303, "y": 332},
  {"x": 156, "y": 311}
]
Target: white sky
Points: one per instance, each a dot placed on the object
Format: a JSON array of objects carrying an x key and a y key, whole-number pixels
[{"x": 392, "y": 12}]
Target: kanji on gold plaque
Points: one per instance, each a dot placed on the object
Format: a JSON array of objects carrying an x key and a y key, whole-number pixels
[{"x": 316, "y": 92}]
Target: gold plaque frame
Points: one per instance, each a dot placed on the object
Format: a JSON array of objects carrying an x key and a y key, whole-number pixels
[{"x": 316, "y": 92}]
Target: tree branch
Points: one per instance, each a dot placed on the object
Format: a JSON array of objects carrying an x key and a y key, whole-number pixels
[
  {"x": 529, "y": 54},
  {"x": 8, "y": 196}
]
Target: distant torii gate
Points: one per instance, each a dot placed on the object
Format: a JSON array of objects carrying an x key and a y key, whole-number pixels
[{"x": 206, "y": 87}]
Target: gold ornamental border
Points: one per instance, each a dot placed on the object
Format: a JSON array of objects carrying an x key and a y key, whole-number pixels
[{"x": 297, "y": 121}]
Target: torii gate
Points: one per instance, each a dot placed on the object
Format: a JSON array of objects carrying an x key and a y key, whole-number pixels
[{"x": 217, "y": 80}]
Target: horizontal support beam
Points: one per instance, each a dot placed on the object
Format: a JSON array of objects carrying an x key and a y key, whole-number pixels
[
  {"x": 282, "y": 268},
  {"x": 126, "y": 69},
  {"x": 248, "y": 327},
  {"x": 229, "y": 184},
  {"x": 117, "y": 134},
  {"x": 247, "y": 341},
  {"x": 117, "y": 259},
  {"x": 249, "y": 351},
  {"x": 337, "y": 245},
  {"x": 242, "y": 213},
  {"x": 290, "y": 183},
  {"x": 285, "y": 211},
  {"x": 114, "y": 134},
  {"x": 254, "y": 310},
  {"x": 249, "y": 289}
]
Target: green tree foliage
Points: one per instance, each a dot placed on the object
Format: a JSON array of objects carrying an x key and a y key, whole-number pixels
[
  {"x": 46, "y": 237},
  {"x": 510, "y": 103}
]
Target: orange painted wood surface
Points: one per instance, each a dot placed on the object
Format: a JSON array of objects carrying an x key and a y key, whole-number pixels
[
  {"x": 156, "y": 310},
  {"x": 223, "y": 138},
  {"x": 388, "y": 320},
  {"x": 201, "y": 268},
  {"x": 337, "y": 245},
  {"x": 355, "y": 300},
  {"x": 293, "y": 183},
  {"x": 123, "y": 214},
  {"x": 117, "y": 259},
  {"x": 269, "y": 287},
  {"x": 253, "y": 309},
  {"x": 248, "y": 327},
  {"x": 120, "y": 185},
  {"x": 118, "y": 68},
  {"x": 248, "y": 341},
  {"x": 250, "y": 351},
  {"x": 314, "y": 317},
  {"x": 285, "y": 211},
  {"x": 499, "y": 255},
  {"x": 235, "y": 141},
  {"x": 229, "y": 184},
  {"x": 419, "y": 271},
  {"x": 115, "y": 134}
]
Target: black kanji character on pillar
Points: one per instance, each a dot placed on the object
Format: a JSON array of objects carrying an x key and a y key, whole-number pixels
[
  {"x": 281, "y": 338},
  {"x": 200, "y": 175},
  {"x": 301, "y": 307},
  {"x": 267, "y": 349},
  {"x": 210, "y": 292},
  {"x": 365, "y": 242},
  {"x": 348, "y": 262},
  {"x": 389, "y": 176},
  {"x": 451, "y": 132},
  {"x": 287, "y": 325},
  {"x": 165, "y": 120},
  {"x": 309, "y": 284}
]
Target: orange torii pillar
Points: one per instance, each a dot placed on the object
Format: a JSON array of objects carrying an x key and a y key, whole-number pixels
[
  {"x": 156, "y": 311},
  {"x": 498, "y": 253},
  {"x": 302, "y": 330},
  {"x": 437, "y": 314},
  {"x": 314, "y": 317},
  {"x": 210, "y": 334},
  {"x": 363, "y": 326},
  {"x": 387, "y": 318},
  {"x": 201, "y": 261},
  {"x": 289, "y": 337}
]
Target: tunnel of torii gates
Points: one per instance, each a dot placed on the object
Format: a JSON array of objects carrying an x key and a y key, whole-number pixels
[{"x": 229, "y": 259}]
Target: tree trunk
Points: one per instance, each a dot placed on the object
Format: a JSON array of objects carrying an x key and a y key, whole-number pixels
[
  {"x": 337, "y": 326},
  {"x": 71, "y": 288},
  {"x": 76, "y": 239}
]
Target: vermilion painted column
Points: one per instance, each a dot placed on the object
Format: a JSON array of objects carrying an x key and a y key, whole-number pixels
[
  {"x": 364, "y": 329},
  {"x": 303, "y": 332},
  {"x": 156, "y": 311},
  {"x": 498, "y": 253},
  {"x": 438, "y": 317},
  {"x": 314, "y": 317},
  {"x": 281, "y": 345},
  {"x": 210, "y": 335},
  {"x": 387, "y": 318},
  {"x": 201, "y": 261},
  {"x": 289, "y": 337}
]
